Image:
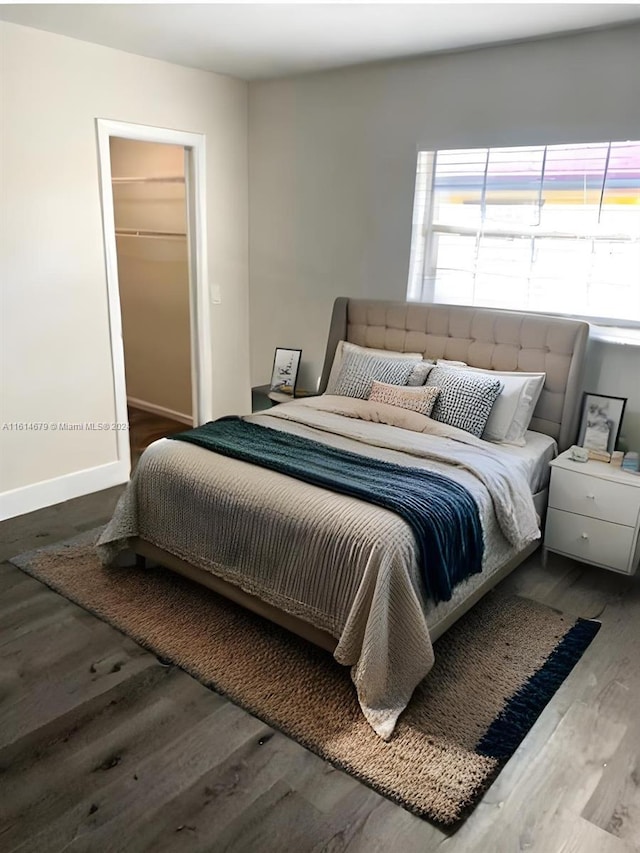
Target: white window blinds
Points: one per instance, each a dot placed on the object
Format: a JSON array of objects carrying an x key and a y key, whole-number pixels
[{"x": 551, "y": 228}]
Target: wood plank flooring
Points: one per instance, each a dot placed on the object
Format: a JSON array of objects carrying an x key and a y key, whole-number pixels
[
  {"x": 102, "y": 748},
  {"x": 145, "y": 428}
]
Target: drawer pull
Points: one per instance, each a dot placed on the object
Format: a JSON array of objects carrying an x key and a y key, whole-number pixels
[
  {"x": 591, "y": 497},
  {"x": 584, "y": 535}
]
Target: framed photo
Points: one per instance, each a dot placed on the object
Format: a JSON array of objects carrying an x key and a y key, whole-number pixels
[
  {"x": 600, "y": 421},
  {"x": 285, "y": 370}
]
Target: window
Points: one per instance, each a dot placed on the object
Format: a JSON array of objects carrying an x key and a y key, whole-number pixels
[{"x": 552, "y": 228}]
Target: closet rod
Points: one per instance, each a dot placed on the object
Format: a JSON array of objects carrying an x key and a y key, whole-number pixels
[
  {"x": 169, "y": 179},
  {"x": 133, "y": 232}
]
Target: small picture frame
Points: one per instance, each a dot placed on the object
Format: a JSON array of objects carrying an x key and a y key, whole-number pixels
[
  {"x": 284, "y": 375},
  {"x": 600, "y": 421}
]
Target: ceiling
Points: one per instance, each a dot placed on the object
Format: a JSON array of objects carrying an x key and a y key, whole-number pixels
[{"x": 253, "y": 41}]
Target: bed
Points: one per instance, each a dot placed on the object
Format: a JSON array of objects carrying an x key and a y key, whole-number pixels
[{"x": 339, "y": 571}]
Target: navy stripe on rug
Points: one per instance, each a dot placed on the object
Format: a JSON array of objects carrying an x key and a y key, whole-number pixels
[{"x": 507, "y": 731}]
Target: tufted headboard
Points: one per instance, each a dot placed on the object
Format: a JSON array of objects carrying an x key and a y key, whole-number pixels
[{"x": 482, "y": 337}]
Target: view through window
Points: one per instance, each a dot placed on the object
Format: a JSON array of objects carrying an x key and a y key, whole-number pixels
[{"x": 552, "y": 228}]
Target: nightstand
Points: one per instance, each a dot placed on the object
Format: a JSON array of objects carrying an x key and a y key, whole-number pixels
[
  {"x": 594, "y": 514},
  {"x": 262, "y": 397}
]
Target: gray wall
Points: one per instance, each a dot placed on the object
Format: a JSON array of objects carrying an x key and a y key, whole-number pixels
[
  {"x": 54, "y": 322},
  {"x": 332, "y": 161}
]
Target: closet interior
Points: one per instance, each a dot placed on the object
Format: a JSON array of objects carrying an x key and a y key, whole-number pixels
[{"x": 150, "y": 210}]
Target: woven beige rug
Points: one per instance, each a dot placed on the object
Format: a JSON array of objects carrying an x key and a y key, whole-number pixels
[{"x": 495, "y": 671}]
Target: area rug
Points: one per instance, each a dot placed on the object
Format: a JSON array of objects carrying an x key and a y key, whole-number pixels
[{"x": 495, "y": 671}]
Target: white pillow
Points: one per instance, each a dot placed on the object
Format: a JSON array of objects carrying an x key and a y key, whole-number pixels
[
  {"x": 512, "y": 411},
  {"x": 345, "y": 347}
]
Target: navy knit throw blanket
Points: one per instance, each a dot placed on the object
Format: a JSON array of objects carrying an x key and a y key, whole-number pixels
[{"x": 442, "y": 514}]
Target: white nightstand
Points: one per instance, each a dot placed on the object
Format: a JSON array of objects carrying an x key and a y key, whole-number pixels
[{"x": 594, "y": 514}]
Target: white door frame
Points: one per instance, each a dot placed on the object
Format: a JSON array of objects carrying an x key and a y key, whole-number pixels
[{"x": 195, "y": 182}]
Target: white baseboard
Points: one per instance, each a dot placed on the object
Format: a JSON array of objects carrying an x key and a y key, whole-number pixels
[
  {"x": 49, "y": 492},
  {"x": 159, "y": 410}
]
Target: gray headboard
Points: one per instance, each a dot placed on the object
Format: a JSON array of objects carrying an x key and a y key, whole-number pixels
[{"x": 482, "y": 337}]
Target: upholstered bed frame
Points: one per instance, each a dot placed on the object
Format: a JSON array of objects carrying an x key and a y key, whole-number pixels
[{"x": 481, "y": 337}]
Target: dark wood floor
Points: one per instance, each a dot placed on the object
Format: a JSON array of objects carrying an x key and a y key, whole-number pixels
[
  {"x": 145, "y": 428},
  {"x": 102, "y": 748}
]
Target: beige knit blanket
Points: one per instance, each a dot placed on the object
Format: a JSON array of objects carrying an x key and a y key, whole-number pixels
[{"x": 342, "y": 564}]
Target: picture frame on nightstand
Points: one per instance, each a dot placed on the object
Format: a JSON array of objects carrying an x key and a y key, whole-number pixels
[
  {"x": 600, "y": 421},
  {"x": 284, "y": 376}
]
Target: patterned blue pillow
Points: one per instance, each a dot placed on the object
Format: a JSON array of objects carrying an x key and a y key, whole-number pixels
[
  {"x": 359, "y": 370},
  {"x": 465, "y": 399}
]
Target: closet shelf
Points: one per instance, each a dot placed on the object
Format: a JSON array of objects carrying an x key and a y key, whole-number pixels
[
  {"x": 169, "y": 179},
  {"x": 140, "y": 232}
]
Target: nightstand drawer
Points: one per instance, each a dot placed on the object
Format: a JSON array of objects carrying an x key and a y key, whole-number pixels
[
  {"x": 594, "y": 497},
  {"x": 589, "y": 539}
]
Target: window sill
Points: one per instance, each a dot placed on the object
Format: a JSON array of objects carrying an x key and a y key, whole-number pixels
[{"x": 616, "y": 335}]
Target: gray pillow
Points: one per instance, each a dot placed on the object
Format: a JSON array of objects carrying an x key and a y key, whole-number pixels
[
  {"x": 358, "y": 372},
  {"x": 420, "y": 372},
  {"x": 465, "y": 399},
  {"x": 343, "y": 347}
]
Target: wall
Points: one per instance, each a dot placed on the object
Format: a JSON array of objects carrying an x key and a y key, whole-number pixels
[
  {"x": 55, "y": 323},
  {"x": 332, "y": 160},
  {"x": 614, "y": 369},
  {"x": 153, "y": 276}
]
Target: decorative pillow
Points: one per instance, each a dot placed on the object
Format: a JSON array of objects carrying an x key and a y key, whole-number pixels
[
  {"x": 358, "y": 371},
  {"x": 419, "y": 400},
  {"x": 420, "y": 372},
  {"x": 465, "y": 400},
  {"x": 345, "y": 347},
  {"x": 513, "y": 410}
]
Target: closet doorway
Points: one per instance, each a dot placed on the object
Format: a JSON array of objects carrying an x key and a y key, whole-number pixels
[
  {"x": 152, "y": 195},
  {"x": 150, "y": 213}
]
